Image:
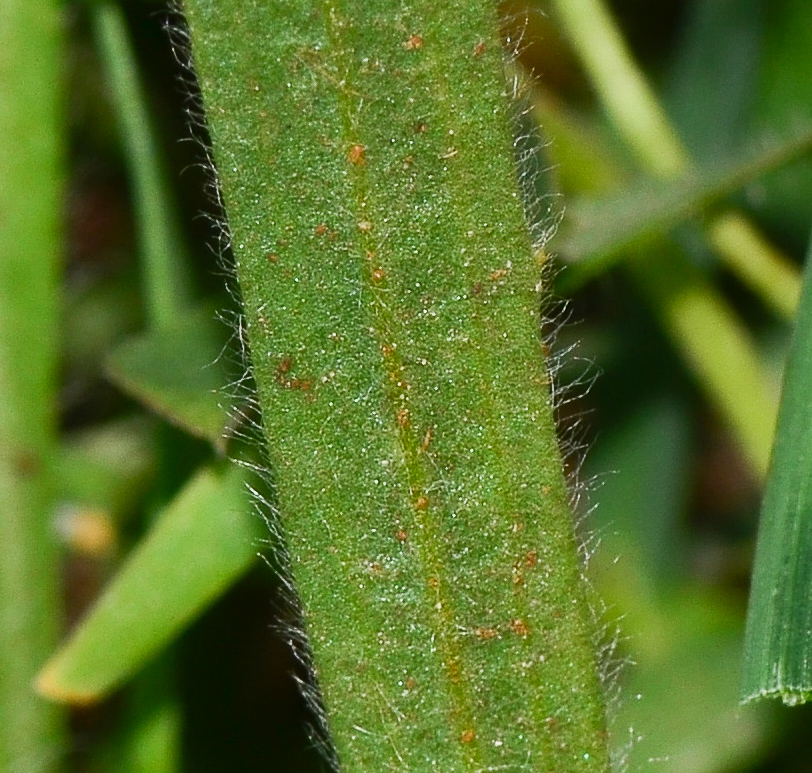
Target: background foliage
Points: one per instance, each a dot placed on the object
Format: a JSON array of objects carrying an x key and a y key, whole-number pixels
[{"x": 676, "y": 451}]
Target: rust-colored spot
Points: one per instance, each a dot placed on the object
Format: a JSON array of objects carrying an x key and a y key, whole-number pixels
[
  {"x": 498, "y": 274},
  {"x": 479, "y": 48},
  {"x": 421, "y": 503},
  {"x": 519, "y": 627},
  {"x": 426, "y": 441},
  {"x": 414, "y": 42},
  {"x": 401, "y": 535},
  {"x": 387, "y": 350},
  {"x": 285, "y": 365},
  {"x": 486, "y": 632},
  {"x": 420, "y": 127},
  {"x": 477, "y": 288},
  {"x": 272, "y": 257},
  {"x": 467, "y": 736},
  {"x": 320, "y": 229},
  {"x": 408, "y": 161},
  {"x": 377, "y": 274},
  {"x": 531, "y": 559},
  {"x": 357, "y": 155},
  {"x": 518, "y": 578},
  {"x": 376, "y": 568},
  {"x": 410, "y": 683},
  {"x": 300, "y": 383},
  {"x": 433, "y": 582},
  {"x": 403, "y": 417}
]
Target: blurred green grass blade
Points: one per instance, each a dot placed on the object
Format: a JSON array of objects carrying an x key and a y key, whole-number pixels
[
  {"x": 166, "y": 278},
  {"x": 596, "y": 231},
  {"x": 622, "y": 88},
  {"x": 778, "y": 647},
  {"x": 179, "y": 373},
  {"x": 714, "y": 343},
  {"x": 201, "y": 543},
  {"x": 31, "y": 184}
]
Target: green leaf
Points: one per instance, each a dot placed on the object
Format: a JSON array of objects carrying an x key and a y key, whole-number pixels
[
  {"x": 778, "y": 648},
  {"x": 596, "y": 231},
  {"x": 198, "y": 547},
  {"x": 179, "y": 373},
  {"x": 366, "y": 162}
]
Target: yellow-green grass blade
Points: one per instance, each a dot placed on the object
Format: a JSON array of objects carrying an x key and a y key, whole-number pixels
[{"x": 202, "y": 542}]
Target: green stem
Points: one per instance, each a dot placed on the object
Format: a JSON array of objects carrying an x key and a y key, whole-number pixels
[
  {"x": 30, "y": 207},
  {"x": 390, "y": 291},
  {"x": 166, "y": 280}
]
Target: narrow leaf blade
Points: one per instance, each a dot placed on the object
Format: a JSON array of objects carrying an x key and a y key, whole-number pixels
[
  {"x": 778, "y": 648},
  {"x": 198, "y": 547}
]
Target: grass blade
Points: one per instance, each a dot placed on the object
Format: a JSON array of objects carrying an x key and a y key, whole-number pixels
[
  {"x": 204, "y": 540},
  {"x": 31, "y": 183},
  {"x": 778, "y": 648}
]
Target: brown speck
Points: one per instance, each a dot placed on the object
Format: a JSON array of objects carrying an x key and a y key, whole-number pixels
[
  {"x": 467, "y": 736},
  {"x": 401, "y": 535},
  {"x": 387, "y": 350},
  {"x": 421, "y": 503},
  {"x": 434, "y": 582},
  {"x": 272, "y": 257},
  {"x": 498, "y": 274},
  {"x": 377, "y": 274},
  {"x": 477, "y": 289},
  {"x": 479, "y": 48},
  {"x": 426, "y": 441},
  {"x": 414, "y": 42},
  {"x": 285, "y": 365},
  {"x": 519, "y": 627},
  {"x": 485, "y": 632},
  {"x": 357, "y": 155},
  {"x": 420, "y": 127},
  {"x": 531, "y": 559},
  {"x": 410, "y": 683},
  {"x": 320, "y": 229},
  {"x": 403, "y": 417},
  {"x": 407, "y": 162}
]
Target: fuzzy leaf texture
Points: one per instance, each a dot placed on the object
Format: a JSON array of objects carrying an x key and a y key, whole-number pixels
[{"x": 392, "y": 305}]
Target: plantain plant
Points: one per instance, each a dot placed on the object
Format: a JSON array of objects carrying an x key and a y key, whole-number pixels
[{"x": 378, "y": 202}]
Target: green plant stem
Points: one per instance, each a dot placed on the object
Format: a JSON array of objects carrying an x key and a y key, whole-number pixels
[
  {"x": 30, "y": 207},
  {"x": 622, "y": 89},
  {"x": 166, "y": 280},
  {"x": 639, "y": 118},
  {"x": 765, "y": 269},
  {"x": 390, "y": 290}
]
